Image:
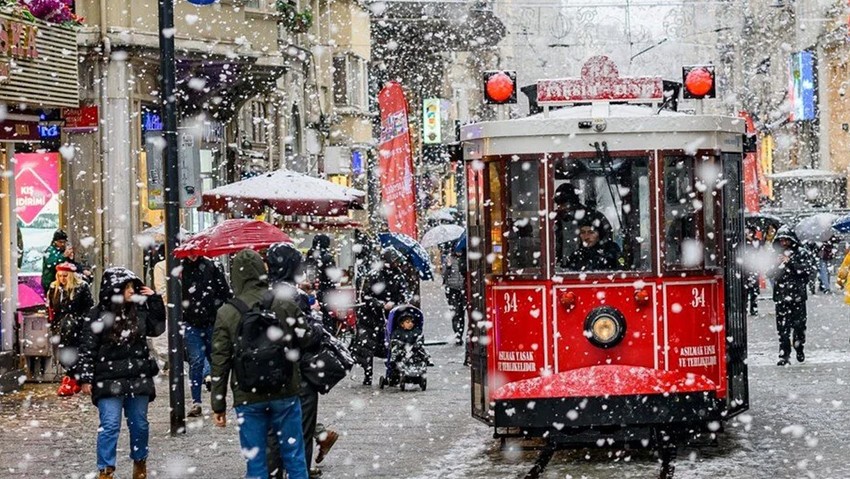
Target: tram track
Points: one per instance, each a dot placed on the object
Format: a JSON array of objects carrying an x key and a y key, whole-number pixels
[{"x": 666, "y": 454}]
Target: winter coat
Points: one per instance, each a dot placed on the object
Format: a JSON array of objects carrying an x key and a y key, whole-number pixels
[
  {"x": 791, "y": 276},
  {"x": 248, "y": 277},
  {"x": 454, "y": 271},
  {"x": 204, "y": 289},
  {"x": 320, "y": 260},
  {"x": 67, "y": 313},
  {"x": 284, "y": 262},
  {"x": 843, "y": 273},
  {"x": 603, "y": 256},
  {"x": 53, "y": 256},
  {"x": 389, "y": 284},
  {"x": 120, "y": 367}
]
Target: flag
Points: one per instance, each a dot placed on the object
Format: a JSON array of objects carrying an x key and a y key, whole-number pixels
[{"x": 396, "y": 162}]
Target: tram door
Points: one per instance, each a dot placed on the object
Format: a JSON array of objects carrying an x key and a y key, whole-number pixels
[
  {"x": 476, "y": 231},
  {"x": 736, "y": 326}
]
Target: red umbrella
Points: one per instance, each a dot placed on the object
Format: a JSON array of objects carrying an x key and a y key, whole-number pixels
[{"x": 231, "y": 236}]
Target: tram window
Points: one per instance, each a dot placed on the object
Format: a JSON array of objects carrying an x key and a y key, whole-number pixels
[
  {"x": 493, "y": 215},
  {"x": 602, "y": 215},
  {"x": 689, "y": 212},
  {"x": 523, "y": 217}
]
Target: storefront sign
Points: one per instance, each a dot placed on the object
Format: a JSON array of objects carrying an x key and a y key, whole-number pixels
[
  {"x": 81, "y": 119},
  {"x": 48, "y": 132},
  {"x": 19, "y": 130},
  {"x": 35, "y": 67},
  {"x": 36, "y": 204}
]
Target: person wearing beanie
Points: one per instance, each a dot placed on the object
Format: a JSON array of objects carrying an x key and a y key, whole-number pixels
[
  {"x": 69, "y": 300},
  {"x": 58, "y": 252}
]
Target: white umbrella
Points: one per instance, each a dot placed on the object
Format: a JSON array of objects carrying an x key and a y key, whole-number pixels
[
  {"x": 441, "y": 234},
  {"x": 443, "y": 214},
  {"x": 159, "y": 230},
  {"x": 816, "y": 228}
]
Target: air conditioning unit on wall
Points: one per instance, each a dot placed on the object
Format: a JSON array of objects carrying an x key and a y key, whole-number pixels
[{"x": 337, "y": 160}]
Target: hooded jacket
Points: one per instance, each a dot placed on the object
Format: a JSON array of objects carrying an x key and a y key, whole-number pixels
[
  {"x": 791, "y": 276},
  {"x": 120, "y": 368},
  {"x": 284, "y": 267},
  {"x": 204, "y": 291},
  {"x": 249, "y": 281}
]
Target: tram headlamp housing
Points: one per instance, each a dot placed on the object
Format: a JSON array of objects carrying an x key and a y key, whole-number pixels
[{"x": 605, "y": 327}]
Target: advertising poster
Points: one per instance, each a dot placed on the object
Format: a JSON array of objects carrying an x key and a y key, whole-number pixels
[
  {"x": 396, "y": 162},
  {"x": 36, "y": 205}
]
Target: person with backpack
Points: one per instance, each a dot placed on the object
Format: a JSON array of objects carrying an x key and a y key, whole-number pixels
[
  {"x": 257, "y": 341},
  {"x": 285, "y": 267},
  {"x": 320, "y": 265},
  {"x": 794, "y": 269},
  {"x": 204, "y": 291}
]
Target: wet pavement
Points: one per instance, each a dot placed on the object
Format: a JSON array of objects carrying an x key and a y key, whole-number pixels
[{"x": 795, "y": 427}]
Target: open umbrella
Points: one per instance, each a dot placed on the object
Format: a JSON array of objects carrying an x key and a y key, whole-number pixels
[
  {"x": 444, "y": 214},
  {"x": 441, "y": 234},
  {"x": 761, "y": 221},
  {"x": 287, "y": 192},
  {"x": 231, "y": 236},
  {"x": 411, "y": 249},
  {"x": 842, "y": 225},
  {"x": 27, "y": 297},
  {"x": 817, "y": 228}
]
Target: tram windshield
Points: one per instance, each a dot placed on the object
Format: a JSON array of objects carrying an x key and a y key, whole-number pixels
[{"x": 602, "y": 214}]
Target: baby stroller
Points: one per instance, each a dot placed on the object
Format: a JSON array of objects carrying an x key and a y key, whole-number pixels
[{"x": 405, "y": 364}]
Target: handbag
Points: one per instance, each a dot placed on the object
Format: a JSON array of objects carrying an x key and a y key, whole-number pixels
[{"x": 326, "y": 367}]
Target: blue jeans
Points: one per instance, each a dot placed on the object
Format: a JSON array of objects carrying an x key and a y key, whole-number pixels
[
  {"x": 823, "y": 276},
  {"x": 199, "y": 347},
  {"x": 282, "y": 416},
  {"x": 136, "y": 411}
]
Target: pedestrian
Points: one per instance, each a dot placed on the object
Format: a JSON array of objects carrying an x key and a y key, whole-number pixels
[
  {"x": 205, "y": 290},
  {"x": 454, "y": 286},
  {"x": 751, "y": 283},
  {"x": 116, "y": 367},
  {"x": 54, "y": 255},
  {"x": 568, "y": 211},
  {"x": 791, "y": 275},
  {"x": 826, "y": 256},
  {"x": 843, "y": 274},
  {"x": 285, "y": 270},
  {"x": 69, "y": 302},
  {"x": 276, "y": 404},
  {"x": 320, "y": 269},
  {"x": 384, "y": 288}
]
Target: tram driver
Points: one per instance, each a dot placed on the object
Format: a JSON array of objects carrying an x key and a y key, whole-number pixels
[
  {"x": 568, "y": 210},
  {"x": 597, "y": 251}
]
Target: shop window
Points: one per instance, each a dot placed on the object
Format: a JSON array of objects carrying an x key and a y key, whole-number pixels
[
  {"x": 350, "y": 81},
  {"x": 602, "y": 215},
  {"x": 523, "y": 217}
]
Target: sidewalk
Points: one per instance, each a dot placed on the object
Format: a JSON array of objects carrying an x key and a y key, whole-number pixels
[{"x": 384, "y": 434}]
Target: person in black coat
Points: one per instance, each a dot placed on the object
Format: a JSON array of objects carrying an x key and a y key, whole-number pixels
[
  {"x": 791, "y": 275},
  {"x": 69, "y": 301},
  {"x": 205, "y": 290},
  {"x": 597, "y": 251},
  {"x": 321, "y": 265},
  {"x": 383, "y": 289},
  {"x": 116, "y": 367},
  {"x": 285, "y": 270}
]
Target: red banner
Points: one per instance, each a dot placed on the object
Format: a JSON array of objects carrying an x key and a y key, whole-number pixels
[
  {"x": 396, "y": 162},
  {"x": 750, "y": 170}
]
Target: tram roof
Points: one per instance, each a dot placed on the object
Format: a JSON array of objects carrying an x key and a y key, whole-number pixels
[{"x": 632, "y": 127}]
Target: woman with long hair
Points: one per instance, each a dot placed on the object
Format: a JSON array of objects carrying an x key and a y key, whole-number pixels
[
  {"x": 116, "y": 366},
  {"x": 69, "y": 301}
]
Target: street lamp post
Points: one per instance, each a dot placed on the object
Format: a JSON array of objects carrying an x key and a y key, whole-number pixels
[{"x": 172, "y": 216}]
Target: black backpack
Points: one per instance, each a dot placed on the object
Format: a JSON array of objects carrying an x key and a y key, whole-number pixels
[{"x": 260, "y": 363}]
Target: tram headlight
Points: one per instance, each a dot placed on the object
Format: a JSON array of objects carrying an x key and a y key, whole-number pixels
[{"x": 605, "y": 327}]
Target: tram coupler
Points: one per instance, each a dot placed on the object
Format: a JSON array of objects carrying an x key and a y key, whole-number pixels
[
  {"x": 666, "y": 445},
  {"x": 542, "y": 460}
]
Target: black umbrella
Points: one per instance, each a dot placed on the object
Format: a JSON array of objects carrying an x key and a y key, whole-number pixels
[{"x": 761, "y": 221}]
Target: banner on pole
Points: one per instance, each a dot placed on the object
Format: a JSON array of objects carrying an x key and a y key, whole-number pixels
[{"x": 396, "y": 162}]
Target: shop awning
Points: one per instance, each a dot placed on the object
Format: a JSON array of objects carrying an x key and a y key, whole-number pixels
[{"x": 287, "y": 192}]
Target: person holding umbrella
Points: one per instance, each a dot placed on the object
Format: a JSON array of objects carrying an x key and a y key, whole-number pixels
[{"x": 454, "y": 285}]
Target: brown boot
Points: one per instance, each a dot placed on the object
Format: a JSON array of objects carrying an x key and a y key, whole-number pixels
[
  {"x": 140, "y": 469},
  {"x": 106, "y": 473},
  {"x": 325, "y": 444}
]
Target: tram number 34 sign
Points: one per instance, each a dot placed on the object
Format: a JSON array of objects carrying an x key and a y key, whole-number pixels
[
  {"x": 699, "y": 297},
  {"x": 510, "y": 303}
]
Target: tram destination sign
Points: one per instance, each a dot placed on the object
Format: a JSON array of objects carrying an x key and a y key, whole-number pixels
[{"x": 600, "y": 80}]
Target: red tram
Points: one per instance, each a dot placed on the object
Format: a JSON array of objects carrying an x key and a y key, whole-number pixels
[{"x": 654, "y": 341}]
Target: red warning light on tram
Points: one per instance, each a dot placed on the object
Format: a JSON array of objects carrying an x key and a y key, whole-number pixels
[
  {"x": 500, "y": 87},
  {"x": 698, "y": 81}
]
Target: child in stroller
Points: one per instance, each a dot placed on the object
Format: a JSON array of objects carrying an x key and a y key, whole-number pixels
[{"x": 406, "y": 356}]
